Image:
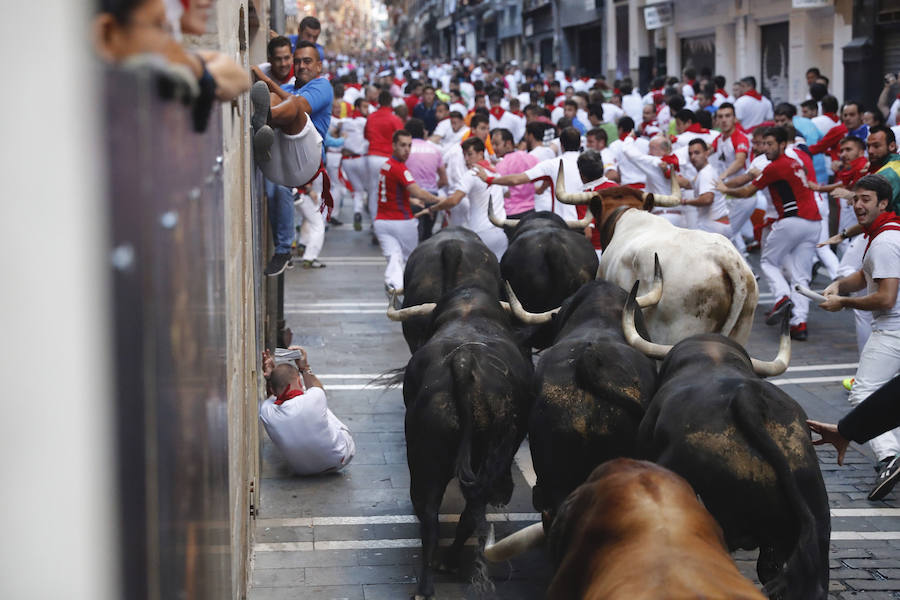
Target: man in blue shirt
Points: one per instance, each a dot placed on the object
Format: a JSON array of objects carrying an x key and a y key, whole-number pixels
[
  {"x": 289, "y": 125},
  {"x": 309, "y": 30}
]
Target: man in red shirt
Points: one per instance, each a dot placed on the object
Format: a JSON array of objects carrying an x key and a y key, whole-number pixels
[
  {"x": 380, "y": 127},
  {"x": 396, "y": 228},
  {"x": 792, "y": 239}
]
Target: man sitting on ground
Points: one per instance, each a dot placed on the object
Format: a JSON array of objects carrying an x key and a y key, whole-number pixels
[{"x": 298, "y": 420}]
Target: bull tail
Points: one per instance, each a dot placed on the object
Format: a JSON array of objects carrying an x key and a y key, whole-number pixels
[
  {"x": 462, "y": 366},
  {"x": 738, "y": 297},
  {"x": 451, "y": 257},
  {"x": 806, "y": 570},
  {"x": 588, "y": 370}
]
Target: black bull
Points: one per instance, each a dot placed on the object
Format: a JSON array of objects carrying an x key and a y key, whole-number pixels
[
  {"x": 452, "y": 257},
  {"x": 744, "y": 446},
  {"x": 467, "y": 397},
  {"x": 591, "y": 389}
]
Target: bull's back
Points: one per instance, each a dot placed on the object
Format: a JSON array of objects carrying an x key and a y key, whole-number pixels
[{"x": 703, "y": 276}]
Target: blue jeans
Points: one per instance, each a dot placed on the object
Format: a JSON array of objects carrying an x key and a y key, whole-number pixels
[{"x": 281, "y": 216}]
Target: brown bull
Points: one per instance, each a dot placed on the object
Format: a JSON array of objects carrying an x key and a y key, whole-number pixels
[{"x": 635, "y": 531}]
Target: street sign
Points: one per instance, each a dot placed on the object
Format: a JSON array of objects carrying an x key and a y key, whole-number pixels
[{"x": 658, "y": 15}]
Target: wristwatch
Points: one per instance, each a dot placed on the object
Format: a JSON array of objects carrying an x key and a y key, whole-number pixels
[{"x": 844, "y": 234}]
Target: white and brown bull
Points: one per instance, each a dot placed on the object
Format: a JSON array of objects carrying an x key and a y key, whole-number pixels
[
  {"x": 709, "y": 286},
  {"x": 633, "y": 530}
]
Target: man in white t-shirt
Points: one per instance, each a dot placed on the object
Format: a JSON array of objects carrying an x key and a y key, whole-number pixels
[
  {"x": 751, "y": 107},
  {"x": 879, "y": 361},
  {"x": 549, "y": 170},
  {"x": 479, "y": 193},
  {"x": 297, "y": 418},
  {"x": 712, "y": 208}
]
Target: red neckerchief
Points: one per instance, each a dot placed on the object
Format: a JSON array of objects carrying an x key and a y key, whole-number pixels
[
  {"x": 832, "y": 116},
  {"x": 355, "y": 113},
  {"x": 721, "y": 92},
  {"x": 585, "y": 79},
  {"x": 486, "y": 164},
  {"x": 753, "y": 94},
  {"x": 670, "y": 159},
  {"x": 497, "y": 111},
  {"x": 518, "y": 113},
  {"x": 886, "y": 221},
  {"x": 852, "y": 173},
  {"x": 622, "y": 136},
  {"x": 695, "y": 128},
  {"x": 691, "y": 82},
  {"x": 286, "y": 395},
  {"x": 355, "y": 86}
]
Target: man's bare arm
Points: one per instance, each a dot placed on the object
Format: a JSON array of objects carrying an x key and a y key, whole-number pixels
[
  {"x": 883, "y": 298},
  {"x": 740, "y": 159}
]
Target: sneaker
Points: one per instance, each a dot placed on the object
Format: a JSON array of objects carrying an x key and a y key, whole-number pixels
[
  {"x": 886, "y": 479},
  {"x": 774, "y": 316},
  {"x": 848, "y": 383},
  {"x": 357, "y": 222},
  {"x": 262, "y": 144},
  {"x": 259, "y": 100},
  {"x": 335, "y": 222},
  {"x": 799, "y": 332},
  {"x": 278, "y": 264},
  {"x": 313, "y": 264}
]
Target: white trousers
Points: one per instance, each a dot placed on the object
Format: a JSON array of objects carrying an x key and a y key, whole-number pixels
[
  {"x": 312, "y": 231},
  {"x": 338, "y": 191},
  {"x": 791, "y": 243},
  {"x": 739, "y": 214},
  {"x": 357, "y": 172},
  {"x": 826, "y": 255},
  {"x": 397, "y": 239},
  {"x": 723, "y": 229},
  {"x": 495, "y": 239},
  {"x": 373, "y": 166},
  {"x": 673, "y": 216},
  {"x": 878, "y": 364},
  {"x": 851, "y": 262}
]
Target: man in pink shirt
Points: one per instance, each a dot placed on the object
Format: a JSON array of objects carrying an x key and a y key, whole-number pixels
[
  {"x": 519, "y": 199},
  {"x": 426, "y": 164}
]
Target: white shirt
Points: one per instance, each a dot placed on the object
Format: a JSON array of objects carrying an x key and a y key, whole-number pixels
[
  {"x": 882, "y": 261},
  {"x": 684, "y": 139},
  {"x": 311, "y": 438},
  {"x": 751, "y": 112},
  {"x": 556, "y": 114},
  {"x": 507, "y": 121},
  {"x": 759, "y": 163},
  {"x": 648, "y": 166},
  {"x": 353, "y": 131},
  {"x": 823, "y": 123},
  {"x": 351, "y": 95},
  {"x": 705, "y": 182},
  {"x": 444, "y": 130},
  {"x": 628, "y": 171},
  {"x": 633, "y": 107},
  {"x": 892, "y": 113},
  {"x": 550, "y": 168},
  {"x": 478, "y": 193},
  {"x": 612, "y": 113}
]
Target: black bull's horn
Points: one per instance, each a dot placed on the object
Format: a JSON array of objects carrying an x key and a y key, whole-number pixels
[
  {"x": 585, "y": 197},
  {"x": 514, "y": 544},
  {"x": 659, "y": 351},
  {"x": 578, "y": 224},
  {"x": 420, "y": 310}
]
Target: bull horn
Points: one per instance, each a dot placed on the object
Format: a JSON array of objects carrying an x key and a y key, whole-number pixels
[
  {"x": 495, "y": 220},
  {"x": 581, "y": 223},
  {"x": 505, "y": 306},
  {"x": 674, "y": 199},
  {"x": 402, "y": 314},
  {"x": 652, "y": 297},
  {"x": 513, "y": 544},
  {"x": 574, "y": 197},
  {"x": 523, "y": 315},
  {"x": 780, "y": 364},
  {"x": 632, "y": 336}
]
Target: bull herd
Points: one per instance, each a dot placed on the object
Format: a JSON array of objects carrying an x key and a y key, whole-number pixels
[{"x": 596, "y": 401}]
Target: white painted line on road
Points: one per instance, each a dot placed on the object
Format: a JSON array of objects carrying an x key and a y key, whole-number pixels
[
  {"x": 384, "y": 544},
  {"x": 865, "y": 512},
  {"x": 831, "y": 367},
  {"x": 865, "y": 535},
  {"x": 380, "y": 304},
  {"x": 381, "y": 258},
  {"x": 337, "y": 311},
  {"x": 823, "y": 379},
  {"x": 387, "y": 520}
]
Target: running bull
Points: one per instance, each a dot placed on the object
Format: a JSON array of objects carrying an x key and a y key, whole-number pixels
[
  {"x": 467, "y": 396},
  {"x": 633, "y": 530},
  {"x": 711, "y": 289},
  {"x": 591, "y": 389},
  {"x": 453, "y": 257},
  {"x": 546, "y": 261},
  {"x": 744, "y": 446}
]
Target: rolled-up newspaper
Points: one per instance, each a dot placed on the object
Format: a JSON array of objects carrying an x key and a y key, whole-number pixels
[
  {"x": 810, "y": 294},
  {"x": 283, "y": 354}
]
